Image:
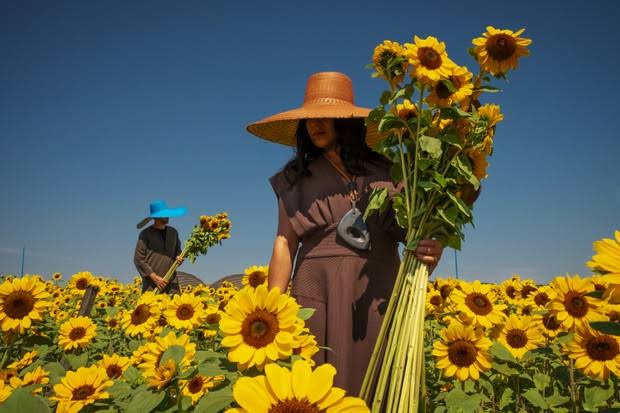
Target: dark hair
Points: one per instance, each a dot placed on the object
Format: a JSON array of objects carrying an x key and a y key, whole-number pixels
[{"x": 350, "y": 136}]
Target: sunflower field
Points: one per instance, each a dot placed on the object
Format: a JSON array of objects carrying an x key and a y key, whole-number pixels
[{"x": 517, "y": 346}]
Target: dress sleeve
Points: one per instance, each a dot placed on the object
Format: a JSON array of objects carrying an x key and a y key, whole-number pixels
[
  {"x": 139, "y": 259},
  {"x": 289, "y": 205}
]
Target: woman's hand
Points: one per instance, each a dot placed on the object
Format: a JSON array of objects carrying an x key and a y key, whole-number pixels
[
  {"x": 179, "y": 260},
  {"x": 429, "y": 252}
]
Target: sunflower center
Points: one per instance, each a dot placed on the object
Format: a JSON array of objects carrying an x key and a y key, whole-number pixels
[
  {"x": 516, "y": 338},
  {"x": 18, "y": 304},
  {"x": 259, "y": 328},
  {"x": 602, "y": 348},
  {"x": 527, "y": 290},
  {"x": 444, "y": 291},
  {"x": 256, "y": 278},
  {"x": 442, "y": 91},
  {"x": 385, "y": 57},
  {"x": 114, "y": 371},
  {"x": 599, "y": 287},
  {"x": 140, "y": 314},
  {"x": 185, "y": 312},
  {"x": 82, "y": 392},
  {"x": 195, "y": 384},
  {"x": 510, "y": 291},
  {"x": 77, "y": 333},
  {"x": 576, "y": 304},
  {"x": 213, "y": 318},
  {"x": 479, "y": 304},
  {"x": 541, "y": 299},
  {"x": 81, "y": 284},
  {"x": 614, "y": 316},
  {"x": 436, "y": 300},
  {"x": 294, "y": 406},
  {"x": 429, "y": 58},
  {"x": 462, "y": 353},
  {"x": 550, "y": 322},
  {"x": 501, "y": 47}
]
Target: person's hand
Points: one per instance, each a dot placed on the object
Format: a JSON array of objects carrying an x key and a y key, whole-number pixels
[
  {"x": 429, "y": 252},
  {"x": 179, "y": 260},
  {"x": 159, "y": 281}
]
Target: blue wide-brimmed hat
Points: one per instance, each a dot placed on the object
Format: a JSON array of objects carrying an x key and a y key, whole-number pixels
[{"x": 159, "y": 209}]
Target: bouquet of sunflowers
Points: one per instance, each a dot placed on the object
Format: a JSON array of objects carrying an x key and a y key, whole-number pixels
[
  {"x": 438, "y": 137},
  {"x": 210, "y": 231}
]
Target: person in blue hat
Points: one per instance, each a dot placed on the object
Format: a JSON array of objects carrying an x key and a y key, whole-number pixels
[{"x": 158, "y": 247}]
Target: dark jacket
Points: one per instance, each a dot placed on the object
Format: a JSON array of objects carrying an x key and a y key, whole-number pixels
[{"x": 154, "y": 255}]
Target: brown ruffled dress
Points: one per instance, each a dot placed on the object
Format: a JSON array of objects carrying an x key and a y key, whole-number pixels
[{"x": 348, "y": 288}]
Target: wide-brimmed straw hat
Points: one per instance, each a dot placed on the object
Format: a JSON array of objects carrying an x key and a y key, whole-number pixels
[{"x": 328, "y": 95}]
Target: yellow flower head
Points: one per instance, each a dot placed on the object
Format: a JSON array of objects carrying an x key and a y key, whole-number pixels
[
  {"x": 76, "y": 332},
  {"x": 462, "y": 351},
  {"x": 255, "y": 275},
  {"x": 498, "y": 51},
  {"x": 381, "y": 57},
  {"x": 80, "y": 280},
  {"x": 36, "y": 376},
  {"x": 406, "y": 110},
  {"x": 479, "y": 163},
  {"x": 305, "y": 345},
  {"x": 442, "y": 96},
  {"x": 607, "y": 257},
  {"x": 596, "y": 354},
  {"x": 549, "y": 324},
  {"x": 199, "y": 385},
  {"x": 22, "y": 301},
  {"x": 81, "y": 388},
  {"x": 520, "y": 334},
  {"x": 478, "y": 303},
  {"x": 57, "y": 276},
  {"x": 428, "y": 59},
  {"x": 25, "y": 361},
  {"x": 114, "y": 365},
  {"x": 259, "y": 326},
  {"x": 300, "y": 389},
  {"x": 143, "y": 318},
  {"x": 571, "y": 305},
  {"x": 185, "y": 311},
  {"x": 152, "y": 363}
]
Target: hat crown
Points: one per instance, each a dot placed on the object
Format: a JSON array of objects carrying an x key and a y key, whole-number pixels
[
  {"x": 157, "y": 206},
  {"x": 329, "y": 87}
]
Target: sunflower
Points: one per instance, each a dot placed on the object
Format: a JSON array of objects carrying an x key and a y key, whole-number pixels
[
  {"x": 299, "y": 389},
  {"x": 143, "y": 318},
  {"x": 406, "y": 110},
  {"x": 213, "y": 314},
  {"x": 160, "y": 373},
  {"x": 199, "y": 385},
  {"x": 184, "y": 311},
  {"x": 57, "y": 276},
  {"x": 498, "y": 51},
  {"x": 462, "y": 351},
  {"x": 77, "y": 332},
  {"x": 478, "y": 302},
  {"x": 80, "y": 280},
  {"x": 479, "y": 163},
  {"x": 520, "y": 334},
  {"x": 607, "y": 257},
  {"x": 5, "y": 391},
  {"x": 442, "y": 96},
  {"x": 434, "y": 302},
  {"x": 595, "y": 354},
  {"x": 81, "y": 388},
  {"x": 612, "y": 311},
  {"x": 305, "y": 345},
  {"x": 510, "y": 289},
  {"x": 36, "y": 376},
  {"x": 383, "y": 55},
  {"x": 541, "y": 297},
  {"x": 22, "y": 301},
  {"x": 549, "y": 324},
  {"x": 26, "y": 360},
  {"x": 259, "y": 326},
  {"x": 255, "y": 275},
  {"x": 571, "y": 305},
  {"x": 114, "y": 365},
  {"x": 429, "y": 59}
]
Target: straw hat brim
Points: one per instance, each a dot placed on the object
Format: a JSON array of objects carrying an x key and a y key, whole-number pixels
[{"x": 281, "y": 127}]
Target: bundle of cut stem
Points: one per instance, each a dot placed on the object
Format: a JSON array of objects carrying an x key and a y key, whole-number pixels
[{"x": 395, "y": 373}]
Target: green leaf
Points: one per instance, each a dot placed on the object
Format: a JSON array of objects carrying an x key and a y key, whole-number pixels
[
  {"x": 145, "y": 401},
  {"x": 175, "y": 353},
  {"x": 506, "y": 399},
  {"x": 22, "y": 400},
  {"x": 132, "y": 374},
  {"x": 454, "y": 113},
  {"x": 541, "y": 381},
  {"x": 596, "y": 396},
  {"x": 431, "y": 145},
  {"x": 564, "y": 338},
  {"x": 460, "y": 205},
  {"x": 120, "y": 390},
  {"x": 305, "y": 313},
  {"x": 57, "y": 372},
  {"x": 390, "y": 121},
  {"x": 450, "y": 138},
  {"x": 77, "y": 360},
  {"x": 398, "y": 95},
  {"x": 463, "y": 165},
  {"x": 505, "y": 369},
  {"x": 204, "y": 355},
  {"x": 458, "y": 401},
  {"x": 607, "y": 327},
  {"x": 440, "y": 179},
  {"x": 500, "y": 352},
  {"x": 449, "y": 85},
  {"x": 215, "y": 401},
  {"x": 557, "y": 400},
  {"x": 378, "y": 198},
  {"x": 535, "y": 399}
]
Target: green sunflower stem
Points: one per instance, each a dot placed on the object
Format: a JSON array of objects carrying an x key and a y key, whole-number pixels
[
  {"x": 173, "y": 267},
  {"x": 5, "y": 356},
  {"x": 571, "y": 382}
]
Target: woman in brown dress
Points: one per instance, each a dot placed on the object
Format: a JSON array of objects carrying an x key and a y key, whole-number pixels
[{"x": 333, "y": 166}]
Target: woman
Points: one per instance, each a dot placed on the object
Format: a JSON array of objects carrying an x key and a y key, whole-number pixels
[{"x": 333, "y": 171}]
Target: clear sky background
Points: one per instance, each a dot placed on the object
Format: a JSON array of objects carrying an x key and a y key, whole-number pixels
[{"x": 105, "y": 106}]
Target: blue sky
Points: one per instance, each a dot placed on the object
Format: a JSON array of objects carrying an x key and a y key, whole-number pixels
[{"x": 105, "y": 106}]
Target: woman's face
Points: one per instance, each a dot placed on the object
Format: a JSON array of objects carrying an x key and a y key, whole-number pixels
[{"x": 322, "y": 132}]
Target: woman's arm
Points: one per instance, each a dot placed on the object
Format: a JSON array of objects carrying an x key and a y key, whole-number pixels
[{"x": 284, "y": 251}]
